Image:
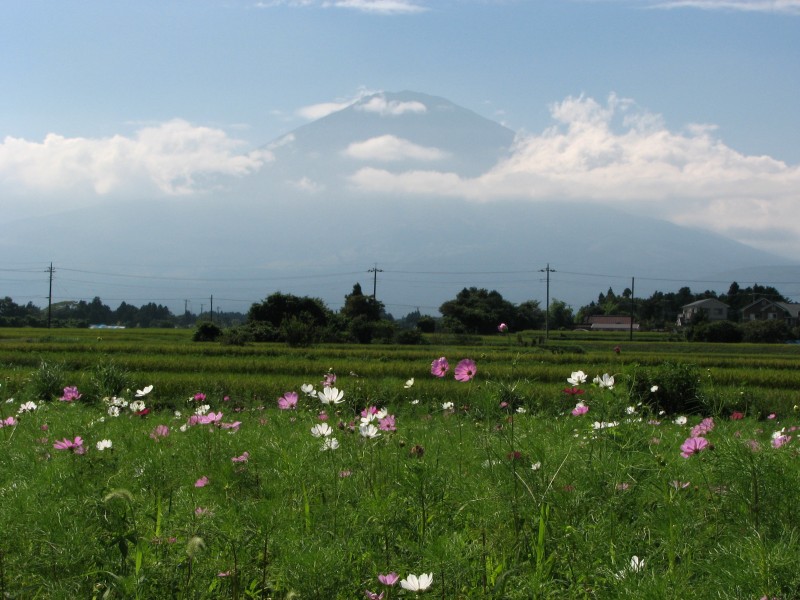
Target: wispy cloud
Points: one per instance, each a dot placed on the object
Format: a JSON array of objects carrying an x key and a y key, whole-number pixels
[
  {"x": 175, "y": 157},
  {"x": 616, "y": 153},
  {"x": 313, "y": 112},
  {"x": 380, "y": 7},
  {"x": 389, "y": 148},
  {"x": 790, "y": 7}
]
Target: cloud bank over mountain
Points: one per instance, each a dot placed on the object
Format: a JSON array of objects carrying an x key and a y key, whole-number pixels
[{"x": 612, "y": 153}]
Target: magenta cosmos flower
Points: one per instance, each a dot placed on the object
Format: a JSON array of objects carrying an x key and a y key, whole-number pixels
[
  {"x": 693, "y": 445},
  {"x": 502, "y": 328},
  {"x": 75, "y": 446},
  {"x": 388, "y": 578},
  {"x": 465, "y": 370},
  {"x": 440, "y": 367},
  {"x": 288, "y": 401},
  {"x": 70, "y": 393}
]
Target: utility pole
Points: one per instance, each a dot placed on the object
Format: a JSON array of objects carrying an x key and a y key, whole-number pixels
[
  {"x": 633, "y": 307},
  {"x": 547, "y": 270},
  {"x": 375, "y": 270},
  {"x": 50, "y": 297},
  {"x": 211, "y": 311}
]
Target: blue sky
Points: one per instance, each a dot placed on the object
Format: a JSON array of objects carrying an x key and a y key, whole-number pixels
[{"x": 202, "y": 84}]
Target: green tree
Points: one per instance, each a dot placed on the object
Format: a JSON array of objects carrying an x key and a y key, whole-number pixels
[
  {"x": 278, "y": 307},
  {"x": 478, "y": 310}
]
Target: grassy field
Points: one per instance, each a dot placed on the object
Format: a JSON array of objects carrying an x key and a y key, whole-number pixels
[{"x": 493, "y": 486}]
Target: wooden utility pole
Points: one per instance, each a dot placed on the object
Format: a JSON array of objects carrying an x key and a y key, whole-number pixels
[{"x": 547, "y": 270}]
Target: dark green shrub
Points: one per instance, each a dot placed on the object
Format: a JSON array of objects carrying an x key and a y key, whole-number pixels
[
  {"x": 410, "y": 337},
  {"x": 726, "y": 332},
  {"x": 773, "y": 331},
  {"x": 236, "y": 336},
  {"x": 108, "y": 379},
  {"x": 47, "y": 382},
  {"x": 298, "y": 332},
  {"x": 671, "y": 387},
  {"x": 207, "y": 332}
]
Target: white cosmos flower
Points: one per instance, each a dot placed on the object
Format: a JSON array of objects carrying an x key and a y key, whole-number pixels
[
  {"x": 681, "y": 420},
  {"x": 521, "y": 410},
  {"x": 447, "y": 406},
  {"x": 142, "y": 393},
  {"x": 136, "y": 406},
  {"x": 536, "y": 466},
  {"x": 381, "y": 414},
  {"x": 329, "y": 444},
  {"x": 113, "y": 411},
  {"x": 413, "y": 583},
  {"x": 409, "y": 383},
  {"x": 26, "y": 407},
  {"x": 202, "y": 409},
  {"x": 654, "y": 389},
  {"x": 104, "y": 445},
  {"x": 604, "y": 424},
  {"x": 331, "y": 395},
  {"x": 308, "y": 389},
  {"x": 321, "y": 430},
  {"x": 605, "y": 382},
  {"x": 368, "y": 430},
  {"x": 577, "y": 378}
]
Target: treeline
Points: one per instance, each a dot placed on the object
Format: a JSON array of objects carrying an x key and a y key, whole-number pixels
[{"x": 83, "y": 314}]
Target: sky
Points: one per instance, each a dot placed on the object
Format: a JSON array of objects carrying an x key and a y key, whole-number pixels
[{"x": 681, "y": 109}]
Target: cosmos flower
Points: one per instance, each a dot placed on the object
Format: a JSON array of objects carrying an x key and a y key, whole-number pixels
[
  {"x": 440, "y": 367},
  {"x": 321, "y": 430},
  {"x": 288, "y": 401},
  {"x": 331, "y": 395},
  {"x": 577, "y": 378},
  {"x": 368, "y": 430},
  {"x": 408, "y": 383},
  {"x": 693, "y": 445},
  {"x": 502, "y": 328},
  {"x": 388, "y": 578},
  {"x": 70, "y": 394},
  {"x": 143, "y": 392},
  {"x": 104, "y": 445},
  {"x": 412, "y": 583},
  {"x": 605, "y": 382},
  {"x": 580, "y": 409},
  {"x": 465, "y": 370}
]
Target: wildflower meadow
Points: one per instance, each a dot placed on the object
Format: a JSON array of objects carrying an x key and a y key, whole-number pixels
[{"x": 136, "y": 467}]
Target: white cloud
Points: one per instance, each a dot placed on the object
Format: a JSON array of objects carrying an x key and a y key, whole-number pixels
[
  {"x": 381, "y": 7},
  {"x": 174, "y": 157},
  {"x": 306, "y": 185},
  {"x": 618, "y": 154},
  {"x": 791, "y": 7},
  {"x": 323, "y": 109},
  {"x": 391, "y": 108},
  {"x": 389, "y": 148}
]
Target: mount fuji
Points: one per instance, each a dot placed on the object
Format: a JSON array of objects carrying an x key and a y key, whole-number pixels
[{"x": 304, "y": 223}]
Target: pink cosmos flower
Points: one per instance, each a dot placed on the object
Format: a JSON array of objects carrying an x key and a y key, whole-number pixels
[
  {"x": 70, "y": 393},
  {"x": 202, "y": 482},
  {"x": 329, "y": 379},
  {"x": 8, "y": 422},
  {"x": 771, "y": 416},
  {"x": 323, "y": 416},
  {"x": 160, "y": 431},
  {"x": 199, "y": 397},
  {"x": 781, "y": 440},
  {"x": 288, "y": 401},
  {"x": 736, "y": 415},
  {"x": 241, "y": 459},
  {"x": 580, "y": 409},
  {"x": 693, "y": 445},
  {"x": 231, "y": 426},
  {"x": 373, "y": 595},
  {"x": 465, "y": 370},
  {"x": 387, "y": 423},
  {"x": 75, "y": 446},
  {"x": 389, "y": 578},
  {"x": 440, "y": 367},
  {"x": 574, "y": 391},
  {"x": 703, "y": 427},
  {"x": 679, "y": 485},
  {"x": 502, "y": 328}
]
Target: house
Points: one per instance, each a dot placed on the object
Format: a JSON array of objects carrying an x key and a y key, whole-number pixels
[
  {"x": 713, "y": 309},
  {"x": 767, "y": 310},
  {"x": 610, "y": 323}
]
